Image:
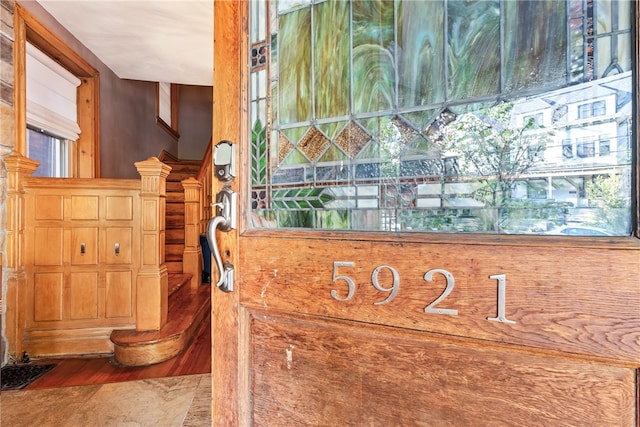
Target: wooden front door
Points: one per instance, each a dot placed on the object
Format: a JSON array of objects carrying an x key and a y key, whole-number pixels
[{"x": 335, "y": 326}]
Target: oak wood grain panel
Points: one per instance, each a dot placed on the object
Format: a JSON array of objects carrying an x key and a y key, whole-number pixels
[
  {"x": 576, "y": 300},
  {"x": 58, "y": 342},
  {"x": 118, "y": 245},
  {"x": 48, "y": 246},
  {"x": 47, "y": 296},
  {"x": 83, "y": 296},
  {"x": 87, "y": 236},
  {"x": 119, "y": 208},
  {"x": 313, "y": 372},
  {"x": 84, "y": 207},
  {"x": 49, "y": 208},
  {"x": 119, "y": 294}
]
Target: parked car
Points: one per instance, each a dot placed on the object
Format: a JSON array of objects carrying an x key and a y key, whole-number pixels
[{"x": 579, "y": 230}]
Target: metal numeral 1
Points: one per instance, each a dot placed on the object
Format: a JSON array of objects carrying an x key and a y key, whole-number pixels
[{"x": 502, "y": 294}]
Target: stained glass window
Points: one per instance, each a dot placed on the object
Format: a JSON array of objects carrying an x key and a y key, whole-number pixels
[{"x": 492, "y": 116}]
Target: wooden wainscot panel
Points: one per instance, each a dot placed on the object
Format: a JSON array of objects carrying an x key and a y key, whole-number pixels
[
  {"x": 384, "y": 377},
  {"x": 48, "y": 291},
  {"x": 119, "y": 294},
  {"x": 68, "y": 341},
  {"x": 84, "y": 246},
  {"x": 118, "y": 241},
  {"x": 80, "y": 265},
  {"x": 49, "y": 207},
  {"x": 48, "y": 246},
  {"x": 576, "y": 300},
  {"x": 119, "y": 208},
  {"x": 83, "y": 296},
  {"x": 84, "y": 208}
]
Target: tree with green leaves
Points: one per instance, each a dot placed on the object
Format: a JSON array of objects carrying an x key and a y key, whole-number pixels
[
  {"x": 605, "y": 192},
  {"x": 493, "y": 154}
]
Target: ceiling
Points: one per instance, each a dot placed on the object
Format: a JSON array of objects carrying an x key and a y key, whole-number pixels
[{"x": 153, "y": 40}]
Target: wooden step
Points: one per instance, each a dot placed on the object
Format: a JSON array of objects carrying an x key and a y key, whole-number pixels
[
  {"x": 174, "y": 251},
  {"x": 174, "y": 235},
  {"x": 175, "y": 197},
  {"x": 174, "y": 187},
  {"x": 174, "y": 266},
  {"x": 175, "y": 209},
  {"x": 187, "y": 309}
]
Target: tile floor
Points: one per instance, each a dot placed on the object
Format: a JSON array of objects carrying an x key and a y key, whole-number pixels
[{"x": 183, "y": 401}]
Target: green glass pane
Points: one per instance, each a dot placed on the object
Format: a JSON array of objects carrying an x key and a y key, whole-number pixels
[
  {"x": 333, "y": 154},
  {"x": 295, "y": 158},
  {"x": 370, "y": 152},
  {"x": 333, "y": 219},
  {"x": 263, "y": 219},
  {"x": 294, "y": 64},
  {"x": 295, "y": 134},
  {"x": 331, "y": 129},
  {"x": 371, "y": 124},
  {"x": 366, "y": 219},
  {"x": 533, "y": 61},
  {"x": 473, "y": 30},
  {"x": 420, "y": 53},
  {"x": 258, "y": 154},
  {"x": 331, "y": 59},
  {"x": 420, "y": 119},
  {"x": 423, "y": 148},
  {"x": 326, "y": 198},
  {"x": 373, "y": 62},
  {"x": 295, "y": 219}
]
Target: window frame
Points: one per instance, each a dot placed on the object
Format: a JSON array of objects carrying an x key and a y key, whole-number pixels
[
  {"x": 61, "y": 150},
  {"x": 170, "y": 128},
  {"x": 84, "y": 160}
]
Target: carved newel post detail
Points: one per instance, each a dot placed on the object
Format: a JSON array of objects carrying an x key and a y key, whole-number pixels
[
  {"x": 192, "y": 255},
  {"x": 18, "y": 169},
  {"x": 152, "y": 284}
]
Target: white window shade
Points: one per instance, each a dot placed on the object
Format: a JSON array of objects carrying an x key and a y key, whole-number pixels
[{"x": 51, "y": 96}]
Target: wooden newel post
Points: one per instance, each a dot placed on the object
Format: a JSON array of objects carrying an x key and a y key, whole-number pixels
[
  {"x": 153, "y": 281},
  {"x": 192, "y": 255},
  {"x": 18, "y": 168}
]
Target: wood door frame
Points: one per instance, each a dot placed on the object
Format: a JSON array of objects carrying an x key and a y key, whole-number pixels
[
  {"x": 231, "y": 403},
  {"x": 229, "y": 20}
]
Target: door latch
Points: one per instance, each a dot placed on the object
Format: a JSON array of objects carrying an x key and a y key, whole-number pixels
[{"x": 224, "y": 154}]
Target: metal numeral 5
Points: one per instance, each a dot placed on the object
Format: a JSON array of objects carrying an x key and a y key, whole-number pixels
[{"x": 349, "y": 280}]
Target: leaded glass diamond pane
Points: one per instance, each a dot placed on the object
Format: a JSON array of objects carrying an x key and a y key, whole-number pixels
[
  {"x": 313, "y": 144},
  {"x": 352, "y": 139}
]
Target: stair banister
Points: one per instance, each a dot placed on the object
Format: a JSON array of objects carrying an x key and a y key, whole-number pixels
[
  {"x": 197, "y": 200},
  {"x": 192, "y": 255},
  {"x": 153, "y": 281}
]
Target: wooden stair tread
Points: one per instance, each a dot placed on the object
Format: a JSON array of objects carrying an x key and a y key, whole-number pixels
[
  {"x": 187, "y": 308},
  {"x": 183, "y": 311},
  {"x": 178, "y": 281}
]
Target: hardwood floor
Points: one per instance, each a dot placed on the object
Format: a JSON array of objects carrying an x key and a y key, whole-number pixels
[{"x": 196, "y": 359}]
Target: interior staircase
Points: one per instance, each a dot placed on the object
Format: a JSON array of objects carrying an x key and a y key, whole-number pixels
[{"x": 187, "y": 306}]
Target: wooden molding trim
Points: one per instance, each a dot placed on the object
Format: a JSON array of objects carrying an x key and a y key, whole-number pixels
[
  {"x": 170, "y": 128},
  {"x": 28, "y": 28}
]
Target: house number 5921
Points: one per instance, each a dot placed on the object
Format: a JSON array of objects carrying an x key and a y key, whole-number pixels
[{"x": 393, "y": 288}]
